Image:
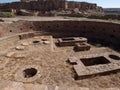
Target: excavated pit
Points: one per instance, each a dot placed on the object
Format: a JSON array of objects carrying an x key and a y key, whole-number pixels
[
  {"x": 94, "y": 61},
  {"x": 105, "y": 33},
  {"x": 29, "y": 72},
  {"x": 52, "y": 59}
]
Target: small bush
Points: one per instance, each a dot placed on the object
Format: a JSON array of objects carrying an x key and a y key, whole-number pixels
[{"x": 6, "y": 14}]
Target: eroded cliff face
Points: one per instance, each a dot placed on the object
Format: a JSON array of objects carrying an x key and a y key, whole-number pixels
[{"x": 51, "y": 5}]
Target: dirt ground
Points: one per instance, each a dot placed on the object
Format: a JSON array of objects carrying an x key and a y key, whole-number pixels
[{"x": 55, "y": 70}]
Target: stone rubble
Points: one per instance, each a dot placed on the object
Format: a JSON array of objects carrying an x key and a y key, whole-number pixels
[
  {"x": 10, "y": 54},
  {"x": 20, "y": 48}
]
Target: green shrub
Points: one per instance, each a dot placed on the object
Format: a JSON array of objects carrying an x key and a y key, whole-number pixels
[{"x": 6, "y": 14}]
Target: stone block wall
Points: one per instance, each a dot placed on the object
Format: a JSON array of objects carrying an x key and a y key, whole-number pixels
[
  {"x": 33, "y": 5},
  {"x": 83, "y": 6},
  {"x": 108, "y": 33},
  {"x": 49, "y": 5},
  {"x": 100, "y": 32}
]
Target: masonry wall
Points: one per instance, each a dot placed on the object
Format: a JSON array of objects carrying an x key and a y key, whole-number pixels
[
  {"x": 84, "y": 6},
  {"x": 33, "y": 5},
  {"x": 50, "y": 5},
  {"x": 107, "y": 33},
  {"x": 100, "y": 32}
]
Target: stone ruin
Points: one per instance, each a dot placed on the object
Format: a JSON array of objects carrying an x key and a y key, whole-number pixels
[
  {"x": 93, "y": 64},
  {"x": 82, "y": 47},
  {"x": 33, "y": 56},
  {"x": 28, "y": 74},
  {"x": 49, "y": 5},
  {"x": 71, "y": 41},
  {"x": 79, "y": 43}
]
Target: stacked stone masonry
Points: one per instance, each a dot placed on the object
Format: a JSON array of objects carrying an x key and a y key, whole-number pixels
[
  {"x": 93, "y": 64},
  {"x": 101, "y": 32},
  {"x": 47, "y": 5},
  {"x": 70, "y": 41},
  {"x": 65, "y": 28},
  {"x": 107, "y": 33}
]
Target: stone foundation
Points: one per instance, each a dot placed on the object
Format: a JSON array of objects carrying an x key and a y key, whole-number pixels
[
  {"x": 94, "y": 64},
  {"x": 82, "y": 47},
  {"x": 71, "y": 41}
]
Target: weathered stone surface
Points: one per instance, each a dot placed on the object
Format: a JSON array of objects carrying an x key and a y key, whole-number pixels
[
  {"x": 9, "y": 85},
  {"x": 77, "y": 88},
  {"x": 10, "y": 54},
  {"x": 26, "y": 35},
  {"x": 51, "y": 87},
  {"x": 24, "y": 76},
  {"x": 36, "y": 37},
  {"x": 25, "y": 44},
  {"x": 82, "y": 47},
  {"x": 44, "y": 39},
  {"x": 48, "y": 5},
  {"x": 51, "y": 59},
  {"x": 19, "y": 55},
  {"x": 20, "y": 48},
  {"x": 71, "y": 41},
  {"x": 61, "y": 87},
  {"x": 110, "y": 89},
  {"x": 46, "y": 42},
  {"x": 95, "y": 64},
  {"x": 29, "y": 86},
  {"x": 25, "y": 13},
  {"x": 35, "y": 87}
]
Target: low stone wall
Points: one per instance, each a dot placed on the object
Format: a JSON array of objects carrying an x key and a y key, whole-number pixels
[
  {"x": 9, "y": 41},
  {"x": 104, "y": 32},
  {"x": 84, "y": 6},
  {"x": 100, "y": 32},
  {"x": 106, "y": 16}
]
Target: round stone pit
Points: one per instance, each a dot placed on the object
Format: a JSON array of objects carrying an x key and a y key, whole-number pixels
[{"x": 28, "y": 74}]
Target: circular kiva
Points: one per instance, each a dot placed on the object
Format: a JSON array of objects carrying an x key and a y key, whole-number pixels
[{"x": 28, "y": 74}]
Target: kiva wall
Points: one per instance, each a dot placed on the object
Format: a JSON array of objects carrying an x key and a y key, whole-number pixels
[
  {"x": 101, "y": 32},
  {"x": 108, "y": 33}
]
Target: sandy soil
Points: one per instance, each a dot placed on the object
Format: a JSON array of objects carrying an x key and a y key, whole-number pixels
[{"x": 55, "y": 70}]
